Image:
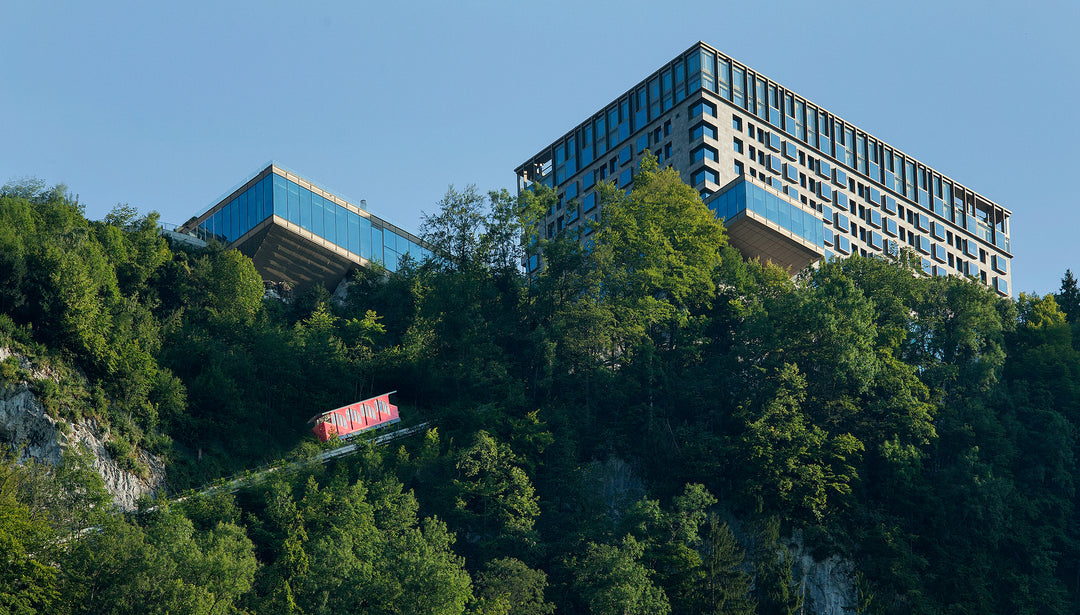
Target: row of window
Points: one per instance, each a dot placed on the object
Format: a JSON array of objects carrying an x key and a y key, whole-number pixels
[
  {"x": 785, "y": 111},
  {"x": 873, "y": 218},
  {"x": 311, "y": 211},
  {"x": 821, "y": 188},
  {"x": 974, "y": 220},
  {"x": 835, "y": 138}
]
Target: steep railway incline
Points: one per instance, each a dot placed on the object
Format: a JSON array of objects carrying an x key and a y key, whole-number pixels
[{"x": 235, "y": 484}]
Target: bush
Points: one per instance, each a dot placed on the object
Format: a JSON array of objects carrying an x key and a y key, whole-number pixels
[{"x": 9, "y": 369}]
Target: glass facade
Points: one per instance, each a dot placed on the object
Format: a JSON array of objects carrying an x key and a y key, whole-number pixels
[
  {"x": 744, "y": 195},
  {"x": 274, "y": 194}
]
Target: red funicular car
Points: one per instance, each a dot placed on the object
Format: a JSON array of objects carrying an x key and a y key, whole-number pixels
[{"x": 347, "y": 421}]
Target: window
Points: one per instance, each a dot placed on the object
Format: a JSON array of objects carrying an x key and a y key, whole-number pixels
[
  {"x": 705, "y": 175},
  {"x": 588, "y": 180},
  {"x": 840, "y": 178},
  {"x": 790, "y": 151},
  {"x": 704, "y": 152},
  {"x": 736, "y": 123},
  {"x": 890, "y": 227},
  {"x": 774, "y": 164},
  {"x": 702, "y": 108},
  {"x": 702, "y": 130},
  {"x": 738, "y": 145},
  {"x": 823, "y": 169}
]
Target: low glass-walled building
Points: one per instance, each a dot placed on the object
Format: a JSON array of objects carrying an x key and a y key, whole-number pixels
[
  {"x": 716, "y": 120},
  {"x": 298, "y": 233}
]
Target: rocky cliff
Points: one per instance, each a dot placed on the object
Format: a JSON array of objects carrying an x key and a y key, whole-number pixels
[{"x": 27, "y": 427}]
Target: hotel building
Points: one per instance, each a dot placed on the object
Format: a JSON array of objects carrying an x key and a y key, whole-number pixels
[{"x": 793, "y": 182}]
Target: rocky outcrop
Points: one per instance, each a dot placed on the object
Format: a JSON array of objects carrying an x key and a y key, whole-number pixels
[
  {"x": 27, "y": 427},
  {"x": 829, "y": 585}
]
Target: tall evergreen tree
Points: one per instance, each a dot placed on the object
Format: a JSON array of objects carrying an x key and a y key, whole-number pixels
[{"x": 1068, "y": 298}]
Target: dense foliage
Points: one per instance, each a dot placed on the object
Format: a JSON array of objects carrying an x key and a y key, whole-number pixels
[{"x": 638, "y": 428}]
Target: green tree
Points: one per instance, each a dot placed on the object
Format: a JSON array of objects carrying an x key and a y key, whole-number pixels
[
  {"x": 725, "y": 587},
  {"x": 496, "y": 496},
  {"x": 655, "y": 251},
  {"x": 791, "y": 464},
  {"x": 612, "y": 581},
  {"x": 28, "y": 583},
  {"x": 512, "y": 580},
  {"x": 1068, "y": 297}
]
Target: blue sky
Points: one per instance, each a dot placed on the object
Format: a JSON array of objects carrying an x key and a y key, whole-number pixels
[{"x": 165, "y": 106}]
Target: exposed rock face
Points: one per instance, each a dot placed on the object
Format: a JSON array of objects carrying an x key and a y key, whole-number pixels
[
  {"x": 27, "y": 427},
  {"x": 829, "y": 585}
]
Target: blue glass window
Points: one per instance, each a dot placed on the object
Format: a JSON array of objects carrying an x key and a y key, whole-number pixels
[
  {"x": 318, "y": 217},
  {"x": 280, "y": 197},
  {"x": 774, "y": 142},
  {"x": 625, "y": 155},
  {"x": 922, "y": 244},
  {"x": 970, "y": 250},
  {"x": 252, "y": 208},
  {"x": 702, "y": 107},
  {"x": 874, "y": 239},
  {"x": 774, "y": 163},
  {"x": 305, "y": 209},
  {"x": 705, "y": 175},
  {"x": 626, "y": 177},
  {"x": 790, "y": 151},
  {"x": 999, "y": 263},
  {"x": 842, "y": 223},
  {"x": 294, "y": 203},
  {"x": 354, "y": 232},
  {"x": 922, "y": 222},
  {"x": 588, "y": 180},
  {"x": 703, "y": 152},
  {"x": 341, "y": 223},
  {"x": 937, "y": 229},
  {"x": 376, "y": 244},
  {"x": 260, "y": 198},
  {"x": 824, "y": 169},
  {"x": 703, "y": 129},
  {"x": 791, "y": 173},
  {"x": 841, "y": 200},
  {"x": 590, "y": 201},
  {"x": 890, "y": 227},
  {"x": 366, "y": 238},
  {"x": 873, "y": 216},
  {"x": 874, "y": 195},
  {"x": 843, "y": 245},
  {"x": 939, "y": 253},
  {"x": 825, "y": 191},
  {"x": 840, "y": 177},
  {"x": 890, "y": 205}
]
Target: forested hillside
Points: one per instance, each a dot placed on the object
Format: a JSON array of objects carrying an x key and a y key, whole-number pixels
[{"x": 640, "y": 428}]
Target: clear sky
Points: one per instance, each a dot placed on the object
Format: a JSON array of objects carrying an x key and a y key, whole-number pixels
[{"x": 165, "y": 106}]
